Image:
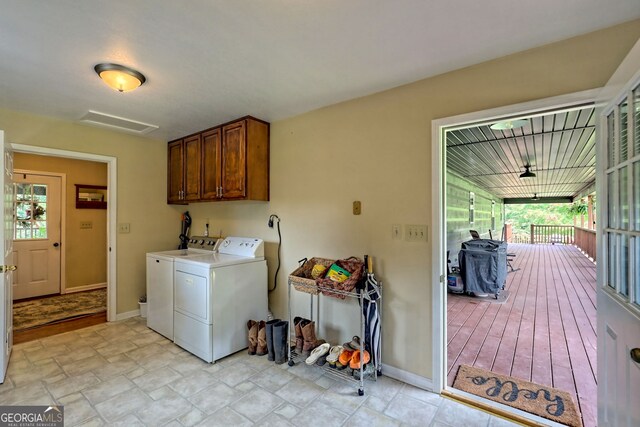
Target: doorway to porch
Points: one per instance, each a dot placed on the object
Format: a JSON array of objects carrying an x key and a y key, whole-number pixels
[{"x": 542, "y": 329}]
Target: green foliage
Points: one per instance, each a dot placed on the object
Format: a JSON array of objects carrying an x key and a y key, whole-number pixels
[
  {"x": 578, "y": 208},
  {"x": 522, "y": 216}
]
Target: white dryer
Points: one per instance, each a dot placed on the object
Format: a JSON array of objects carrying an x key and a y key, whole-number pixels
[
  {"x": 160, "y": 278},
  {"x": 215, "y": 295}
]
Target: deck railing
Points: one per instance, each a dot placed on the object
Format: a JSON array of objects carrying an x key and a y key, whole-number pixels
[
  {"x": 552, "y": 234},
  {"x": 585, "y": 240}
]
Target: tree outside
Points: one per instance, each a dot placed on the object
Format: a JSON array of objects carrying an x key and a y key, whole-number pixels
[{"x": 522, "y": 216}]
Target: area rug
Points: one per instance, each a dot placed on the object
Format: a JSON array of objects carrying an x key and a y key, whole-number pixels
[
  {"x": 503, "y": 296},
  {"x": 45, "y": 311},
  {"x": 546, "y": 402}
]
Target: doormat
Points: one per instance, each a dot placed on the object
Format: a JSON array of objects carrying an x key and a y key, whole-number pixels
[
  {"x": 503, "y": 296},
  {"x": 45, "y": 311},
  {"x": 546, "y": 402}
]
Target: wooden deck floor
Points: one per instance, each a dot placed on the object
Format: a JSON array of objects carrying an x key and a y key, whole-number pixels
[{"x": 544, "y": 333}]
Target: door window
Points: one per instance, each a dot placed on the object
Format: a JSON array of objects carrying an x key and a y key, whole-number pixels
[
  {"x": 623, "y": 187},
  {"x": 30, "y": 211}
]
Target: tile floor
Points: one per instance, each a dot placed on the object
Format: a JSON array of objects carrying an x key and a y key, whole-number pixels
[{"x": 123, "y": 373}]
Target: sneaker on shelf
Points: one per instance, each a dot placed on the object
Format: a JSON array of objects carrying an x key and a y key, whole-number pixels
[{"x": 368, "y": 370}]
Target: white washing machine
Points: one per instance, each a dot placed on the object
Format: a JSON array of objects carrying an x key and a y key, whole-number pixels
[
  {"x": 216, "y": 294},
  {"x": 160, "y": 278}
]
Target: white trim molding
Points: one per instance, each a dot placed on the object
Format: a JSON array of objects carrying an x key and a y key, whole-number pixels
[
  {"x": 127, "y": 315},
  {"x": 407, "y": 377},
  {"x": 85, "y": 288}
]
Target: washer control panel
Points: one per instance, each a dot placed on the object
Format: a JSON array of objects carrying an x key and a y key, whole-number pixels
[
  {"x": 204, "y": 243},
  {"x": 242, "y": 246}
]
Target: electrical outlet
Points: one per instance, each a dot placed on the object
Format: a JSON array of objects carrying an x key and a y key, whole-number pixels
[
  {"x": 84, "y": 225},
  {"x": 396, "y": 232},
  {"x": 124, "y": 227},
  {"x": 416, "y": 233}
]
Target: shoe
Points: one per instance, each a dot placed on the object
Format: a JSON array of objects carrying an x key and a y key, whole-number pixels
[
  {"x": 298, "y": 323},
  {"x": 269, "y": 334},
  {"x": 344, "y": 358},
  {"x": 355, "y": 361},
  {"x": 280, "y": 337},
  {"x": 322, "y": 360},
  {"x": 252, "y": 326},
  {"x": 310, "y": 340},
  {"x": 333, "y": 355},
  {"x": 317, "y": 352},
  {"x": 353, "y": 345},
  {"x": 261, "y": 349}
]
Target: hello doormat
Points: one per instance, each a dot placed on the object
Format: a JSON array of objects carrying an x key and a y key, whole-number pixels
[
  {"x": 45, "y": 311},
  {"x": 546, "y": 402}
]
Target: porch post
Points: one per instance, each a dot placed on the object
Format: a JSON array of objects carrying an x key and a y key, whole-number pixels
[
  {"x": 590, "y": 224},
  {"x": 532, "y": 227}
]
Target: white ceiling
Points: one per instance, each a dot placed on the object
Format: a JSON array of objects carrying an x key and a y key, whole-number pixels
[{"x": 208, "y": 61}]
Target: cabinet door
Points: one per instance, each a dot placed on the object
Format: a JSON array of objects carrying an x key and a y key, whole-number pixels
[
  {"x": 234, "y": 161},
  {"x": 210, "y": 164},
  {"x": 175, "y": 176},
  {"x": 192, "y": 168}
]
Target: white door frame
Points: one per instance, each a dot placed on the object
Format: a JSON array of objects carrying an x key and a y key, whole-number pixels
[
  {"x": 438, "y": 205},
  {"x": 111, "y": 210},
  {"x": 63, "y": 218}
]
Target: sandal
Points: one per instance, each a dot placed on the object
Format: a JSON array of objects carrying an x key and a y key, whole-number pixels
[
  {"x": 317, "y": 352},
  {"x": 344, "y": 358},
  {"x": 334, "y": 353},
  {"x": 355, "y": 361}
]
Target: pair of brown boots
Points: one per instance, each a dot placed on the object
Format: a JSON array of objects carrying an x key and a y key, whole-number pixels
[
  {"x": 306, "y": 336},
  {"x": 257, "y": 337}
]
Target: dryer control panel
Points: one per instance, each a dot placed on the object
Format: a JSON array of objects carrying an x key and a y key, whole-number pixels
[
  {"x": 204, "y": 243},
  {"x": 242, "y": 246}
]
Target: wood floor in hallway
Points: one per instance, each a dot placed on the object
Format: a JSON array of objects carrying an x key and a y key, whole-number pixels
[{"x": 545, "y": 332}]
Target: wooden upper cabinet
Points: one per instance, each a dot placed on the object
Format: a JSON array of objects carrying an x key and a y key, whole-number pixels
[
  {"x": 175, "y": 175},
  {"x": 192, "y": 168},
  {"x": 210, "y": 160},
  {"x": 229, "y": 162},
  {"x": 234, "y": 161}
]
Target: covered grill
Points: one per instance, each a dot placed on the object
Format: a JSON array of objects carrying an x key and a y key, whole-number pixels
[{"x": 483, "y": 266}]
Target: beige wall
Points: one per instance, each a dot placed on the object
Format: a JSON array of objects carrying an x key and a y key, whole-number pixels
[
  {"x": 141, "y": 189},
  {"x": 85, "y": 249},
  {"x": 375, "y": 149}
]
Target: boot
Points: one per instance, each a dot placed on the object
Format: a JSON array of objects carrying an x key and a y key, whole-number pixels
[
  {"x": 299, "y": 322},
  {"x": 252, "y": 326},
  {"x": 280, "y": 337},
  {"x": 261, "y": 349},
  {"x": 310, "y": 340},
  {"x": 269, "y": 331}
]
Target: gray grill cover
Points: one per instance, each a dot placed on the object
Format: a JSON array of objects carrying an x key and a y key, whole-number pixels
[{"x": 483, "y": 265}]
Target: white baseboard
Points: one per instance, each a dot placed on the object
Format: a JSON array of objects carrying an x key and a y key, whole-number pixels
[
  {"x": 127, "y": 315},
  {"x": 85, "y": 288},
  {"x": 407, "y": 377}
]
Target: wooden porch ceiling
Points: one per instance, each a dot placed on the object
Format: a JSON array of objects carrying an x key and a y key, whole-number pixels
[{"x": 559, "y": 146}]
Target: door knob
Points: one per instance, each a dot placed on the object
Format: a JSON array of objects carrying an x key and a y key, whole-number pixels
[
  {"x": 635, "y": 354},
  {"x": 56, "y": 244},
  {"x": 5, "y": 268}
]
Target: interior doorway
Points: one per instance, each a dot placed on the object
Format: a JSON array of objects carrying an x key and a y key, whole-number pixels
[
  {"x": 110, "y": 246},
  {"x": 484, "y": 219}
]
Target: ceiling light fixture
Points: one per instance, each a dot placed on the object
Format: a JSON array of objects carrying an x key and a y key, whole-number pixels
[
  {"x": 509, "y": 124},
  {"x": 119, "y": 77},
  {"x": 535, "y": 196},
  {"x": 527, "y": 173}
]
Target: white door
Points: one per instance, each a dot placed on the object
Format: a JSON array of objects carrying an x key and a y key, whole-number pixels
[
  {"x": 36, "y": 245},
  {"x": 619, "y": 255},
  {"x": 6, "y": 270}
]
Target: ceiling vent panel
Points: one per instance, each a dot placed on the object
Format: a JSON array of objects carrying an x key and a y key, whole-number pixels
[{"x": 94, "y": 118}]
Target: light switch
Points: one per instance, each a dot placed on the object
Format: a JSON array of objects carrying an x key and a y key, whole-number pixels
[
  {"x": 84, "y": 225},
  {"x": 124, "y": 227},
  {"x": 396, "y": 232},
  {"x": 416, "y": 233}
]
